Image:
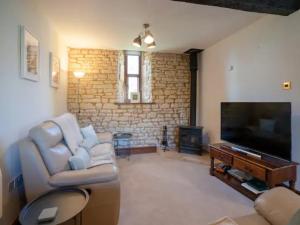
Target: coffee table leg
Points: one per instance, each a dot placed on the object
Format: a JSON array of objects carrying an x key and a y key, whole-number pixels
[{"x": 129, "y": 153}]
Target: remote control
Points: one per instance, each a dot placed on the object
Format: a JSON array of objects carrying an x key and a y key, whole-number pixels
[{"x": 47, "y": 215}]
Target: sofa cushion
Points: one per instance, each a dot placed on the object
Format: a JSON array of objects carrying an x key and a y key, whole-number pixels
[
  {"x": 278, "y": 205},
  {"x": 48, "y": 137},
  {"x": 81, "y": 160},
  {"x": 101, "y": 149},
  {"x": 105, "y": 137},
  {"x": 99, "y": 162},
  {"x": 70, "y": 129},
  {"x": 88, "y": 143}
]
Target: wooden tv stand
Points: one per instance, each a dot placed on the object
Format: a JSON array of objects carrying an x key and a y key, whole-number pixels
[{"x": 271, "y": 170}]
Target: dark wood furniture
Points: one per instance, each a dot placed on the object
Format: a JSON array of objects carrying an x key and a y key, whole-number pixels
[
  {"x": 271, "y": 170},
  {"x": 283, "y": 8},
  {"x": 190, "y": 139}
]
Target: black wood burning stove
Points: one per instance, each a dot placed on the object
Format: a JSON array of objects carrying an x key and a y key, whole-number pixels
[{"x": 190, "y": 139}]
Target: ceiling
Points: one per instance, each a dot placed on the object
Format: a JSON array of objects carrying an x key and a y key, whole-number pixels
[{"x": 112, "y": 24}]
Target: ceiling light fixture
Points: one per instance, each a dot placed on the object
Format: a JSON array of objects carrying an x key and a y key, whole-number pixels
[
  {"x": 151, "y": 45},
  {"x": 137, "y": 42},
  {"x": 145, "y": 36},
  {"x": 148, "y": 37}
]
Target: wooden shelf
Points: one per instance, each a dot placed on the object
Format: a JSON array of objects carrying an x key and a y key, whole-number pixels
[
  {"x": 273, "y": 171},
  {"x": 236, "y": 184}
]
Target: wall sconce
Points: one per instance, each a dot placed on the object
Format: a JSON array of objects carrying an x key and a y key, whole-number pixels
[{"x": 78, "y": 75}]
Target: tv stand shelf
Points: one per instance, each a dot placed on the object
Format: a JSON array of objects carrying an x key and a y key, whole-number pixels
[{"x": 271, "y": 170}]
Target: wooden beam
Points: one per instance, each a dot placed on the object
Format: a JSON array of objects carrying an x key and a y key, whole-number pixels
[
  {"x": 278, "y": 7},
  {"x": 193, "y": 50}
]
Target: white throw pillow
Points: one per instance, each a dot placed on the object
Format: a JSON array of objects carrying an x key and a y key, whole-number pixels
[
  {"x": 81, "y": 160},
  {"x": 90, "y": 137},
  {"x": 88, "y": 143}
]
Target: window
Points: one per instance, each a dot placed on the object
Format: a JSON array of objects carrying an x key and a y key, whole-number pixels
[{"x": 133, "y": 76}]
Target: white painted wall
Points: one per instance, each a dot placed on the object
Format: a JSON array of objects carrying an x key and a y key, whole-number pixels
[
  {"x": 263, "y": 55},
  {"x": 23, "y": 103}
]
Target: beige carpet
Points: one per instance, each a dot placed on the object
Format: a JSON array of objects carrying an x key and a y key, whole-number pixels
[{"x": 175, "y": 189}]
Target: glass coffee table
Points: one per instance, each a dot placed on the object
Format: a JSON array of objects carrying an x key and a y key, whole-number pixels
[{"x": 69, "y": 201}]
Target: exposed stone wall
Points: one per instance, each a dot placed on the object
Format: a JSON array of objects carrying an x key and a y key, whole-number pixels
[{"x": 170, "y": 90}]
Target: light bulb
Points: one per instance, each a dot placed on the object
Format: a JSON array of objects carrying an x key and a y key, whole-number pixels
[
  {"x": 151, "y": 45},
  {"x": 148, "y": 37},
  {"x": 78, "y": 74}
]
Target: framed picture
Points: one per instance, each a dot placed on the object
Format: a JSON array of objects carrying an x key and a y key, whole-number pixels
[
  {"x": 30, "y": 56},
  {"x": 54, "y": 71},
  {"x": 135, "y": 97}
]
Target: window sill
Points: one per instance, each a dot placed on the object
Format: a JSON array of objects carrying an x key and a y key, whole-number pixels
[{"x": 134, "y": 103}]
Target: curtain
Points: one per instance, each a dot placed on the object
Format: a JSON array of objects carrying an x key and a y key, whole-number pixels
[
  {"x": 146, "y": 77},
  {"x": 121, "y": 77}
]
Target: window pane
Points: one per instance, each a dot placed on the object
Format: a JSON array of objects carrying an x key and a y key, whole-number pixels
[
  {"x": 133, "y": 64},
  {"x": 133, "y": 85}
]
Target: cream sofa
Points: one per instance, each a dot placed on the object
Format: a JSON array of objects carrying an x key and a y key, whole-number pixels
[
  {"x": 274, "y": 207},
  {"x": 44, "y": 159}
]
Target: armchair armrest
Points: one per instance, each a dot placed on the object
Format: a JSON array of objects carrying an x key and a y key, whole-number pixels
[{"x": 98, "y": 174}]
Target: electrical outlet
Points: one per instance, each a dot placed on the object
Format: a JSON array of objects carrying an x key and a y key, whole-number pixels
[{"x": 287, "y": 85}]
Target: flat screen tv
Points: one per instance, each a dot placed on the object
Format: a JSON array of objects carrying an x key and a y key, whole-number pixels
[{"x": 259, "y": 127}]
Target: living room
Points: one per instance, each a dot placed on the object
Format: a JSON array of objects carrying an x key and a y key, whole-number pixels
[{"x": 92, "y": 62}]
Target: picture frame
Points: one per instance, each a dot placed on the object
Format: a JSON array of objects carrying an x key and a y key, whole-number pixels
[
  {"x": 30, "y": 55},
  {"x": 54, "y": 70},
  {"x": 134, "y": 97}
]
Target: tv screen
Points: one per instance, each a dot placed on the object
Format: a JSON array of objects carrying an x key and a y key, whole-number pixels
[{"x": 263, "y": 127}]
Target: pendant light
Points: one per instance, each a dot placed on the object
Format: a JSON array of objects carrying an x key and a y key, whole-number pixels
[
  {"x": 151, "y": 45},
  {"x": 137, "y": 42},
  {"x": 146, "y": 36}
]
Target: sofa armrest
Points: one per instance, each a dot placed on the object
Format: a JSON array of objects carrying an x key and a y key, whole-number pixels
[
  {"x": 105, "y": 137},
  {"x": 98, "y": 174},
  {"x": 278, "y": 205}
]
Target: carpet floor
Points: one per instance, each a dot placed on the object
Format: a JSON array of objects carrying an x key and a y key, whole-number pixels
[{"x": 175, "y": 189}]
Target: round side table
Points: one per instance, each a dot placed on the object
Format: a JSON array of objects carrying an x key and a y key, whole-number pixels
[
  {"x": 69, "y": 201},
  {"x": 122, "y": 144}
]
